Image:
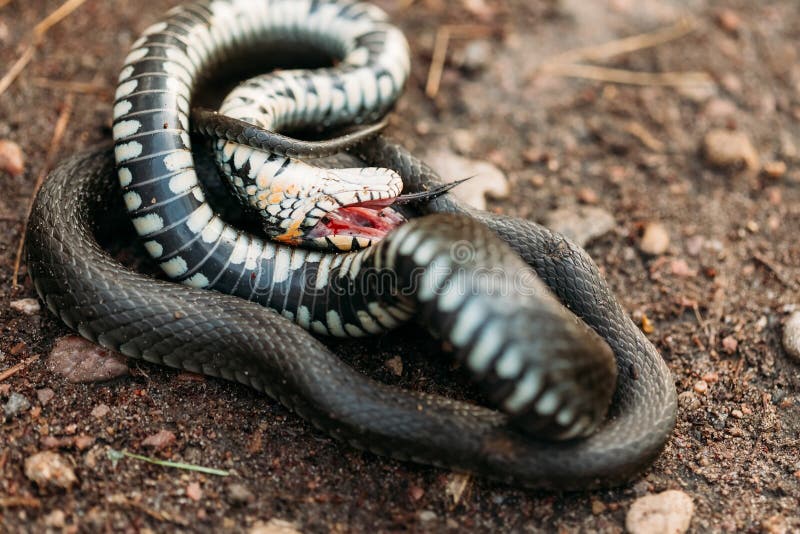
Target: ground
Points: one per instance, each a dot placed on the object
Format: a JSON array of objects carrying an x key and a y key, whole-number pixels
[{"x": 714, "y": 301}]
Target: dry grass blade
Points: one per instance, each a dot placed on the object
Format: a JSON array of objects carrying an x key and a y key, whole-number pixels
[
  {"x": 571, "y": 63},
  {"x": 437, "y": 62},
  {"x": 20, "y": 502},
  {"x": 605, "y": 74},
  {"x": 14, "y": 369},
  {"x": 443, "y": 37},
  {"x": 38, "y": 34},
  {"x": 633, "y": 43},
  {"x": 18, "y": 66},
  {"x": 55, "y": 143}
]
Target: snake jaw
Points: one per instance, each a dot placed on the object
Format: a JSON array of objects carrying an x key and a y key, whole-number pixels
[{"x": 355, "y": 226}]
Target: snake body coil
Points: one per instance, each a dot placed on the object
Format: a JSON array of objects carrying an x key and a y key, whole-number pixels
[{"x": 551, "y": 374}]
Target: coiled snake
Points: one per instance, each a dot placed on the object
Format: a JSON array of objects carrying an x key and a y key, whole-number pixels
[{"x": 550, "y": 375}]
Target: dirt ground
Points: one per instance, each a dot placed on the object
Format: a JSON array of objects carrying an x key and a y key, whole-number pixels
[{"x": 715, "y": 299}]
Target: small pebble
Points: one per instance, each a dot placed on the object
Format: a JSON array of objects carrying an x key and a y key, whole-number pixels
[
  {"x": 475, "y": 56},
  {"x": 194, "y": 492},
  {"x": 487, "y": 179},
  {"x": 729, "y": 20},
  {"x": 775, "y": 169},
  {"x": 694, "y": 245},
  {"x": 681, "y": 268},
  {"x": 26, "y": 306},
  {"x": 159, "y": 440},
  {"x": 100, "y": 411},
  {"x": 598, "y": 507},
  {"x": 427, "y": 516},
  {"x": 16, "y": 403},
  {"x": 669, "y": 512},
  {"x": 587, "y": 196},
  {"x": 239, "y": 494},
  {"x": 50, "y": 469},
  {"x": 580, "y": 224},
  {"x": 83, "y": 442},
  {"x": 725, "y": 148},
  {"x": 415, "y": 493},
  {"x": 395, "y": 365},
  {"x": 729, "y": 344},
  {"x": 791, "y": 336},
  {"x": 11, "y": 159},
  {"x": 655, "y": 239},
  {"x": 55, "y": 519},
  {"x": 45, "y": 395},
  {"x": 79, "y": 360},
  {"x": 710, "y": 377},
  {"x": 700, "y": 387}
]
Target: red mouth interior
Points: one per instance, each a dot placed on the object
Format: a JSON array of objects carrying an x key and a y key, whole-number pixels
[{"x": 372, "y": 220}]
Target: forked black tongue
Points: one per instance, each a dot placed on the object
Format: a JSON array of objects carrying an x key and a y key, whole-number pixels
[{"x": 423, "y": 196}]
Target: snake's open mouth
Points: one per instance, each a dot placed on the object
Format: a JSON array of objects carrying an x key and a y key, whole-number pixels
[{"x": 370, "y": 220}]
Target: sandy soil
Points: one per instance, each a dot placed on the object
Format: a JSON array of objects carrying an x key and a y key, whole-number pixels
[{"x": 716, "y": 299}]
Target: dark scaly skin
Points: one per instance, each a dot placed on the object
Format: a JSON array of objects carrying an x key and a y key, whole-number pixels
[
  {"x": 224, "y": 336},
  {"x": 187, "y": 328},
  {"x": 565, "y": 267},
  {"x": 212, "y": 124}
]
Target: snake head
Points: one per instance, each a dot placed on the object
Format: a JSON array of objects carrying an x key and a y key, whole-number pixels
[{"x": 327, "y": 209}]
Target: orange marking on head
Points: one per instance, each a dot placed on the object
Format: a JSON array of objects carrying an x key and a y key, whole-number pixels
[
  {"x": 293, "y": 235},
  {"x": 275, "y": 198}
]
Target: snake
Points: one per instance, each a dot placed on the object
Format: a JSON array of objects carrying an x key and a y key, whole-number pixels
[{"x": 576, "y": 396}]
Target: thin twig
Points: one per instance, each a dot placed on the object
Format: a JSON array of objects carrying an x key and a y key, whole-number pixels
[
  {"x": 626, "y": 45},
  {"x": 605, "y": 74},
  {"x": 14, "y": 369},
  {"x": 39, "y": 32},
  {"x": 20, "y": 502},
  {"x": 644, "y": 136},
  {"x": 443, "y": 37},
  {"x": 703, "y": 324},
  {"x": 18, "y": 66},
  {"x": 774, "y": 270},
  {"x": 52, "y": 151},
  {"x": 56, "y": 16},
  {"x": 437, "y": 62}
]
